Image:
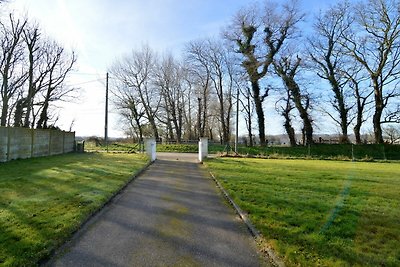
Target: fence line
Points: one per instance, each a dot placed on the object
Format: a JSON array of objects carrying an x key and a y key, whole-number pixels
[{"x": 21, "y": 143}]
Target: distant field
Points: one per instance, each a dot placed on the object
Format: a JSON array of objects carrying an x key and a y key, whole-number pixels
[
  {"x": 44, "y": 200},
  {"x": 318, "y": 151},
  {"x": 325, "y": 213}
]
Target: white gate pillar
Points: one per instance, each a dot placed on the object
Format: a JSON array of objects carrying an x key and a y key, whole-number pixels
[
  {"x": 150, "y": 146},
  {"x": 203, "y": 148}
]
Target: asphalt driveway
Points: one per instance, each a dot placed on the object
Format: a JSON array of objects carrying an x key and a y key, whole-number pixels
[{"x": 171, "y": 215}]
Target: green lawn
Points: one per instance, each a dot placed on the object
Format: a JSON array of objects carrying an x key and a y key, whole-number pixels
[
  {"x": 44, "y": 200},
  {"x": 318, "y": 151},
  {"x": 330, "y": 151},
  {"x": 313, "y": 212}
]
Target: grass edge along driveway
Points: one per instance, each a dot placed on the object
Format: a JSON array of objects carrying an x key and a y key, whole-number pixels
[
  {"x": 313, "y": 212},
  {"x": 44, "y": 200}
]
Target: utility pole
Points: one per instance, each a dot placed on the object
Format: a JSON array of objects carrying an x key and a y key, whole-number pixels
[
  {"x": 199, "y": 119},
  {"x": 237, "y": 122},
  {"x": 106, "y": 116}
]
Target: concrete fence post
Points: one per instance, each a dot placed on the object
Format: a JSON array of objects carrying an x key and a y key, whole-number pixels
[
  {"x": 203, "y": 148},
  {"x": 63, "y": 147},
  {"x": 8, "y": 143},
  {"x": 50, "y": 142},
  {"x": 32, "y": 142},
  {"x": 151, "y": 148}
]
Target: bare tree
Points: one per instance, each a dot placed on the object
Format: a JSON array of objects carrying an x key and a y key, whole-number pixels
[
  {"x": 13, "y": 75},
  {"x": 375, "y": 43},
  {"x": 30, "y": 65},
  {"x": 59, "y": 64},
  {"x": 247, "y": 110},
  {"x": 223, "y": 77},
  {"x": 392, "y": 133},
  {"x": 260, "y": 33},
  {"x": 200, "y": 74},
  {"x": 135, "y": 72},
  {"x": 330, "y": 62},
  {"x": 169, "y": 80},
  {"x": 284, "y": 107},
  {"x": 31, "y": 39},
  {"x": 188, "y": 110},
  {"x": 216, "y": 64},
  {"x": 130, "y": 109},
  {"x": 362, "y": 93},
  {"x": 287, "y": 69}
]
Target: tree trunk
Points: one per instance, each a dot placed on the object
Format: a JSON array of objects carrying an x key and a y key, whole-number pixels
[
  {"x": 260, "y": 112},
  {"x": 225, "y": 132},
  {"x": 288, "y": 123},
  {"x": 4, "y": 98},
  {"x": 178, "y": 124},
  {"x": 154, "y": 128},
  {"x": 290, "y": 132},
  {"x": 343, "y": 111},
  {"x": 308, "y": 129},
  {"x": 177, "y": 130},
  {"x": 357, "y": 133},
  {"x": 250, "y": 131},
  {"x": 377, "y": 125},
  {"x": 204, "y": 118},
  {"x": 19, "y": 112},
  {"x": 376, "y": 119},
  {"x": 42, "y": 122},
  {"x": 4, "y": 107},
  {"x": 360, "y": 104},
  {"x": 29, "y": 100},
  {"x": 137, "y": 121},
  {"x": 344, "y": 138},
  {"x": 295, "y": 92},
  {"x": 4, "y": 112},
  {"x": 199, "y": 135},
  {"x": 251, "y": 143},
  {"x": 170, "y": 130},
  {"x": 248, "y": 118}
]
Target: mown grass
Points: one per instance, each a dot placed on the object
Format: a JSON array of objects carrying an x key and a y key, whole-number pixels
[
  {"x": 318, "y": 151},
  {"x": 329, "y": 151},
  {"x": 179, "y": 148},
  {"x": 44, "y": 200},
  {"x": 319, "y": 213},
  {"x": 113, "y": 147}
]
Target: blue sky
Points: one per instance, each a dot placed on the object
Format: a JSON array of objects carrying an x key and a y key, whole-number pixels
[{"x": 102, "y": 30}]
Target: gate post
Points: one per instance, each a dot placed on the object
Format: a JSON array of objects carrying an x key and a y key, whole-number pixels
[
  {"x": 203, "y": 148},
  {"x": 151, "y": 148}
]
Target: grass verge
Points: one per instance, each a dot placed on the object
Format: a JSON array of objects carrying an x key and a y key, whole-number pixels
[
  {"x": 329, "y": 213},
  {"x": 44, "y": 200}
]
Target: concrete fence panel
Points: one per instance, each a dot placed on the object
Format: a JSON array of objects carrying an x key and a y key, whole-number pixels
[
  {"x": 69, "y": 142},
  {"x": 21, "y": 143},
  {"x": 56, "y": 142},
  {"x": 41, "y": 142}
]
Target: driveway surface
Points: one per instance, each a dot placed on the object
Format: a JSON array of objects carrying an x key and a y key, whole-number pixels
[{"x": 171, "y": 215}]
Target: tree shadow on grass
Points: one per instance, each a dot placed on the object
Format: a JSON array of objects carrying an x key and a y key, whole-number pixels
[{"x": 44, "y": 200}]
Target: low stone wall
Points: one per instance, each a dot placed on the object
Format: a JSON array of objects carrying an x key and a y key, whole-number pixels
[{"x": 21, "y": 143}]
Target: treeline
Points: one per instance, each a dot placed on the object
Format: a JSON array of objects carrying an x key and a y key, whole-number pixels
[
  {"x": 33, "y": 69},
  {"x": 345, "y": 67}
]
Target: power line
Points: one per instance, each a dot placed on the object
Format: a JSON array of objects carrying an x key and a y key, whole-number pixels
[
  {"x": 85, "y": 73},
  {"x": 91, "y": 81}
]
